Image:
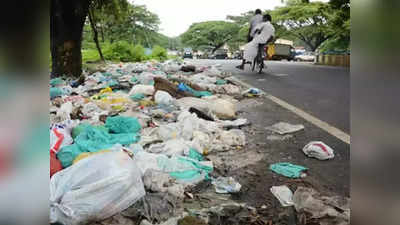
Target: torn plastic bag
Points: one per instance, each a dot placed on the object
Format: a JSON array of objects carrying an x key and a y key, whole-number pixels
[
  {"x": 170, "y": 147},
  {"x": 283, "y": 194},
  {"x": 186, "y": 170},
  {"x": 285, "y": 128},
  {"x": 155, "y": 207},
  {"x": 157, "y": 181},
  {"x": 94, "y": 189},
  {"x": 225, "y": 185},
  {"x": 319, "y": 150},
  {"x": 233, "y": 137},
  {"x": 329, "y": 210},
  {"x": 60, "y": 135}
]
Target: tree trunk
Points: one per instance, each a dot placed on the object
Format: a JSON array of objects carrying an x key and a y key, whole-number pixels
[
  {"x": 67, "y": 19},
  {"x": 216, "y": 48},
  {"x": 95, "y": 34}
]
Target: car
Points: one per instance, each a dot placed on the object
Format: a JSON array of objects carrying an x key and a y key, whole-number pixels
[
  {"x": 187, "y": 55},
  {"x": 220, "y": 54},
  {"x": 305, "y": 57}
]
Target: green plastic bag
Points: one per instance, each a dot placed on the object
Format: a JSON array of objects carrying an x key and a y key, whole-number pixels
[
  {"x": 287, "y": 169},
  {"x": 124, "y": 131},
  {"x": 137, "y": 97},
  {"x": 221, "y": 82},
  {"x": 56, "y": 81},
  {"x": 194, "y": 154},
  {"x": 184, "y": 169},
  {"x": 121, "y": 124},
  {"x": 55, "y": 92},
  {"x": 78, "y": 129}
]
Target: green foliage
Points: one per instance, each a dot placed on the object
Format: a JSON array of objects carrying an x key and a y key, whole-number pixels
[
  {"x": 159, "y": 53},
  {"x": 91, "y": 55},
  {"x": 308, "y": 22},
  {"x": 212, "y": 34},
  {"x": 138, "y": 53},
  {"x": 124, "y": 52}
]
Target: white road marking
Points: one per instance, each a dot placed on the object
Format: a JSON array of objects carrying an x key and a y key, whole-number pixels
[{"x": 317, "y": 122}]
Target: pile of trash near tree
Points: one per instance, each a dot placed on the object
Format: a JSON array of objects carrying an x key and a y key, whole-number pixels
[
  {"x": 132, "y": 143},
  {"x": 138, "y": 134}
]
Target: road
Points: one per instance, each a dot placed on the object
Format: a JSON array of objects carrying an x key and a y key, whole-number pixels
[{"x": 321, "y": 91}]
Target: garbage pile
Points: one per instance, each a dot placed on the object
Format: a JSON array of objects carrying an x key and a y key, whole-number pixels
[{"x": 136, "y": 136}]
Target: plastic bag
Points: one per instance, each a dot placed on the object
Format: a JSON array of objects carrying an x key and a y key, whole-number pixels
[
  {"x": 233, "y": 137},
  {"x": 92, "y": 139},
  {"x": 283, "y": 194},
  {"x": 163, "y": 98},
  {"x": 285, "y": 128},
  {"x": 225, "y": 185},
  {"x": 185, "y": 170},
  {"x": 121, "y": 124},
  {"x": 60, "y": 136},
  {"x": 142, "y": 89},
  {"x": 170, "y": 147},
  {"x": 319, "y": 150},
  {"x": 168, "y": 131},
  {"x": 94, "y": 189},
  {"x": 288, "y": 170}
]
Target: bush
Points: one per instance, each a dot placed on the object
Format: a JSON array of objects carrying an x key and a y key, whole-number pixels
[
  {"x": 159, "y": 53},
  {"x": 90, "y": 55},
  {"x": 118, "y": 51},
  {"x": 138, "y": 54}
]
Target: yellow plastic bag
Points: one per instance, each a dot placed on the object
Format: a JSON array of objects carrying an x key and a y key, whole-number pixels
[{"x": 106, "y": 90}]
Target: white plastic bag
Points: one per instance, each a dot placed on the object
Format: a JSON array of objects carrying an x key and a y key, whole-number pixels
[
  {"x": 170, "y": 148},
  {"x": 95, "y": 188},
  {"x": 233, "y": 137},
  {"x": 163, "y": 98},
  {"x": 60, "y": 135},
  {"x": 146, "y": 78},
  {"x": 168, "y": 131},
  {"x": 285, "y": 128},
  {"x": 319, "y": 150},
  {"x": 225, "y": 185},
  {"x": 283, "y": 194},
  {"x": 142, "y": 89},
  {"x": 65, "y": 111}
]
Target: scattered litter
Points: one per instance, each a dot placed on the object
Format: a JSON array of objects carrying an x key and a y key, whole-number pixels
[
  {"x": 285, "y": 128},
  {"x": 225, "y": 185},
  {"x": 288, "y": 169},
  {"x": 252, "y": 91},
  {"x": 283, "y": 194},
  {"x": 133, "y": 142},
  {"x": 330, "y": 210},
  {"x": 319, "y": 150}
]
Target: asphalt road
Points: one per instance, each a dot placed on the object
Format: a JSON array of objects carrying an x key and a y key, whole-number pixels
[{"x": 322, "y": 91}]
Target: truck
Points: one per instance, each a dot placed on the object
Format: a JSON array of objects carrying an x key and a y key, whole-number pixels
[{"x": 278, "y": 51}]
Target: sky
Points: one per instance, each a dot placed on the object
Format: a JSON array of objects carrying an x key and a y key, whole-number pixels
[{"x": 177, "y": 15}]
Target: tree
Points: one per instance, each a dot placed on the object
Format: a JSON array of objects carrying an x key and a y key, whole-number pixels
[
  {"x": 66, "y": 25},
  {"x": 307, "y": 21},
  {"x": 212, "y": 34},
  {"x": 67, "y": 19}
]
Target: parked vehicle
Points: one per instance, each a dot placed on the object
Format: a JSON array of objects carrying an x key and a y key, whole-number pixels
[
  {"x": 187, "y": 53},
  {"x": 220, "y": 54},
  {"x": 306, "y": 57},
  {"x": 280, "y": 51}
]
